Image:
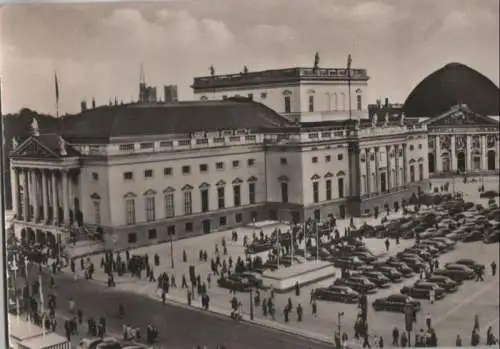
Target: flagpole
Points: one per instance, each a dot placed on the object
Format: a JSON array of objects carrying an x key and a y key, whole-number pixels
[{"x": 349, "y": 84}]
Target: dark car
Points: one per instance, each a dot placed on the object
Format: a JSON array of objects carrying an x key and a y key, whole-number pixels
[
  {"x": 414, "y": 262},
  {"x": 422, "y": 289},
  {"x": 450, "y": 244},
  {"x": 364, "y": 256},
  {"x": 440, "y": 246},
  {"x": 468, "y": 263},
  {"x": 402, "y": 267},
  {"x": 390, "y": 272},
  {"x": 336, "y": 293},
  {"x": 248, "y": 277},
  {"x": 234, "y": 284},
  {"x": 258, "y": 247},
  {"x": 357, "y": 283},
  {"x": 444, "y": 282},
  {"x": 396, "y": 303},
  {"x": 492, "y": 237},
  {"x": 456, "y": 272},
  {"x": 473, "y": 236},
  {"x": 377, "y": 278},
  {"x": 346, "y": 262}
]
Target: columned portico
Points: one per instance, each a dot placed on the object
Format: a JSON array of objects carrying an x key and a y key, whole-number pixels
[{"x": 55, "y": 202}]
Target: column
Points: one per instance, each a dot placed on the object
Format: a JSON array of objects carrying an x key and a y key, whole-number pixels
[
  {"x": 484, "y": 155},
  {"x": 468, "y": 148},
  {"x": 14, "y": 187},
  {"x": 36, "y": 207},
  {"x": 45, "y": 197},
  {"x": 453, "y": 155},
  {"x": 55, "y": 204},
  {"x": 64, "y": 179},
  {"x": 25, "y": 194},
  {"x": 377, "y": 172},
  {"x": 396, "y": 165},
  {"x": 405, "y": 165},
  {"x": 368, "y": 171},
  {"x": 389, "y": 167},
  {"x": 438, "y": 163}
]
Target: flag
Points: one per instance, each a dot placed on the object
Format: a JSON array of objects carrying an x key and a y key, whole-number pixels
[
  {"x": 349, "y": 61},
  {"x": 57, "y": 87}
]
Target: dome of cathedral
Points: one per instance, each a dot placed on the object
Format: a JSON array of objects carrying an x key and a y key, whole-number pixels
[{"x": 450, "y": 85}]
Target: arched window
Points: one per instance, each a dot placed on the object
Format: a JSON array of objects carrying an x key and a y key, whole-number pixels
[
  {"x": 188, "y": 199},
  {"x": 359, "y": 103},
  {"x": 150, "y": 205},
  {"x": 169, "y": 197}
]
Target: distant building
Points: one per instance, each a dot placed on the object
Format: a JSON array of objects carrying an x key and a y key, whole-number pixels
[
  {"x": 170, "y": 94},
  {"x": 147, "y": 94},
  {"x": 299, "y": 94}
]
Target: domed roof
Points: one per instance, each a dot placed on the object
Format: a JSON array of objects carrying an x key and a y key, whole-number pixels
[{"x": 452, "y": 84}]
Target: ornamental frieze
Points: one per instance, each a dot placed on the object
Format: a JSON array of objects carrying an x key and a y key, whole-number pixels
[{"x": 460, "y": 143}]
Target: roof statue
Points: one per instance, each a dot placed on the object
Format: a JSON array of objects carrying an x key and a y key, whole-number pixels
[
  {"x": 386, "y": 120},
  {"x": 316, "y": 60},
  {"x": 212, "y": 70},
  {"x": 402, "y": 118},
  {"x": 374, "y": 120},
  {"x": 62, "y": 147},
  {"x": 245, "y": 70},
  {"x": 34, "y": 127}
]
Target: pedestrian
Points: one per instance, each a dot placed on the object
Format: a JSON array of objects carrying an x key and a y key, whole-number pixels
[
  {"x": 493, "y": 268},
  {"x": 264, "y": 308},
  {"x": 404, "y": 340},
  {"x": 476, "y": 322},
  {"x": 299, "y": 312},
  {"x": 172, "y": 281},
  {"x": 380, "y": 342},
  {"x": 395, "y": 337},
  {"x": 312, "y": 296},
  {"x": 432, "y": 295},
  {"x": 475, "y": 339},
  {"x": 387, "y": 244},
  {"x": 285, "y": 314},
  {"x": 184, "y": 281},
  {"x": 314, "y": 307},
  {"x": 428, "y": 320},
  {"x": 458, "y": 341},
  {"x": 297, "y": 288}
]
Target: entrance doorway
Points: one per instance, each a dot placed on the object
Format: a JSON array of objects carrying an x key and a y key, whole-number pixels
[
  {"x": 376, "y": 211},
  {"x": 23, "y": 235},
  {"x": 317, "y": 215},
  {"x": 206, "y": 226},
  {"x": 461, "y": 162},
  {"x": 491, "y": 160},
  {"x": 431, "y": 159},
  {"x": 296, "y": 217},
  {"x": 383, "y": 183},
  {"x": 396, "y": 206},
  {"x": 273, "y": 215},
  {"x": 342, "y": 211},
  {"x": 31, "y": 235}
]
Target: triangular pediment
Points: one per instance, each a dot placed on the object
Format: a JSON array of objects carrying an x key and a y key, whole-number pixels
[
  {"x": 460, "y": 116},
  {"x": 32, "y": 148}
]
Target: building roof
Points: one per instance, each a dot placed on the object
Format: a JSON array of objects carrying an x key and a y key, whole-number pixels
[
  {"x": 278, "y": 76},
  {"x": 450, "y": 85},
  {"x": 104, "y": 123},
  {"x": 460, "y": 115}
]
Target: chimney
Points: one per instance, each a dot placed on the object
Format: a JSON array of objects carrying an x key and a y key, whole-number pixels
[
  {"x": 386, "y": 102},
  {"x": 93, "y": 103},
  {"x": 83, "y": 106}
]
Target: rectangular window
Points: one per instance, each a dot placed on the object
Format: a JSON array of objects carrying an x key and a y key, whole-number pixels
[
  {"x": 219, "y": 165},
  {"x": 311, "y": 103},
  {"x": 250, "y": 162},
  {"x": 283, "y": 161},
  {"x": 169, "y": 205},
  {"x": 315, "y": 192},
  {"x": 152, "y": 234},
  {"x": 186, "y": 169},
  {"x": 222, "y": 221},
  {"x": 126, "y": 147},
  {"x": 128, "y": 175},
  {"x": 171, "y": 231},
  {"x": 315, "y": 159},
  {"x": 284, "y": 192},
  {"x": 95, "y": 176},
  {"x": 236, "y": 164},
  {"x": 421, "y": 171},
  {"x": 328, "y": 189},
  {"x": 328, "y": 158},
  {"x": 204, "y": 200},
  {"x": 237, "y": 195},
  {"x": 250, "y": 96},
  {"x": 167, "y": 171},
  {"x": 239, "y": 218},
  {"x": 358, "y": 102},
  {"x": 130, "y": 211},
  {"x": 412, "y": 173},
  {"x": 188, "y": 202},
  {"x": 149, "y": 145},
  {"x": 288, "y": 106},
  {"x": 251, "y": 193},
  {"x": 221, "y": 197},
  {"x": 150, "y": 209},
  {"x": 188, "y": 227},
  {"x": 97, "y": 212},
  {"x": 148, "y": 174},
  {"x": 132, "y": 238},
  {"x": 203, "y": 168},
  {"x": 341, "y": 187}
]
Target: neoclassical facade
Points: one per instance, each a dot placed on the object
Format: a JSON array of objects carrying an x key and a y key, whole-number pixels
[{"x": 145, "y": 172}]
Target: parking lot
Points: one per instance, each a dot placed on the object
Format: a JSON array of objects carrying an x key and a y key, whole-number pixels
[{"x": 454, "y": 314}]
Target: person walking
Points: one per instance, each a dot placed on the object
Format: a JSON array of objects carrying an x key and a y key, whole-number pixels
[{"x": 493, "y": 268}]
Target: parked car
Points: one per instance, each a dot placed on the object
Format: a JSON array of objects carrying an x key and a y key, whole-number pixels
[
  {"x": 414, "y": 262},
  {"x": 456, "y": 272},
  {"x": 336, "y": 293},
  {"x": 492, "y": 237},
  {"x": 468, "y": 263},
  {"x": 391, "y": 273},
  {"x": 448, "y": 242},
  {"x": 365, "y": 257},
  {"x": 396, "y": 303},
  {"x": 346, "y": 262},
  {"x": 444, "y": 282},
  {"x": 473, "y": 236},
  {"x": 440, "y": 246},
  {"x": 402, "y": 267},
  {"x": 248, "y": 277},
  {"x": 376, "y": 277},
  {"x": 359, "y": 284},
  {"x": 422, "y": 289}
]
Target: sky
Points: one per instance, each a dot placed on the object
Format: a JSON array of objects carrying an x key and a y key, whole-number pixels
[{"x": 97, "y": 48}]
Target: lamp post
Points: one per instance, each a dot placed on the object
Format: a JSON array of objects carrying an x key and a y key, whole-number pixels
[{"x": 251, "y": 304}]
